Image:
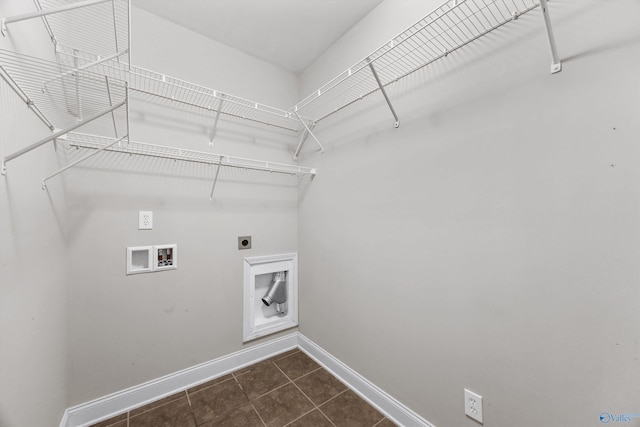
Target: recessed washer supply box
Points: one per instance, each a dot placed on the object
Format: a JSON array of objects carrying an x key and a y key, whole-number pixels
[
  {"x": 147, "y": 259},
  {"x": 165, "y": 257},
  {"x": 139, "y": 259}
]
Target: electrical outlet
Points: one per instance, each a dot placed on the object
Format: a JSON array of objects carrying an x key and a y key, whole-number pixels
[
  {"x": 145, "y": 220},
  {"x": 473, "y": 405}
]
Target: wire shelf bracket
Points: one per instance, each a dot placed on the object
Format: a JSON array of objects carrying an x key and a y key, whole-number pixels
[
  {"x": 32, "y": 106},
  {"x": 307, "y": 131},
  {"x": 556, "y": 64},
  {"x": 88, "y": 156},
  {"x": 215, "y": 179},
  {"x": 215, "y": 123},
  {"x": 55, "y": 135},
  {"x": 384, "y": 92}
]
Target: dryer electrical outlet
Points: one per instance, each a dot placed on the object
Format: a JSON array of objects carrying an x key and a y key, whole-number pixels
[{"x": 145, "y": 220}]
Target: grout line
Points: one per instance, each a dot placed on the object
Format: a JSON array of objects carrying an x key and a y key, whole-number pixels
[
  {"x": 209, "y": 386},
  {"x": 325, "y": 415},
  {"x": 308, "y": 373},
  {"x": 276, "y": 358},
  {"x": 343, "y": 391},
  {"x": 301, "y": 416},
  {"x": 258, "y": 413},
  {"x": 189, "y": 400},
  {"x": 283, "y": 373},
  {"x": 383, "y": 418},
  {"x": 273, "y": 389},
  {"x": 305, "y": 395}
]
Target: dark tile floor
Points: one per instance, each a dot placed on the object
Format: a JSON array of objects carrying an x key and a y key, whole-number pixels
[{"x": 289, "y": 389}]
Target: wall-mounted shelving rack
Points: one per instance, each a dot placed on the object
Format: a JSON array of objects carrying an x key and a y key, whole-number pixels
[
  {"x": 92, "y": 48},
  {"x": 98, "y": 26},
  {"x": 181, "y": 93},
  {"x": 92, "y": 40},
  {"x": 68, "y": 97},
  {"x": 96, "y": 142},
  {"x": 453, "y": 25}
]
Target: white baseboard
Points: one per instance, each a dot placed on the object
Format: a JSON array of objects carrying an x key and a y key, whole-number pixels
[
  {"x": 114, "y": 404},
  {"x": 376, "y": 397},
  {"x": 108, "y": 406}
]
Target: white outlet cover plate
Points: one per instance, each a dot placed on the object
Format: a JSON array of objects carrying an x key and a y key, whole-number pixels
[
  {"x": 473, "y": 405},
  {"x": 145, "y": 220}
]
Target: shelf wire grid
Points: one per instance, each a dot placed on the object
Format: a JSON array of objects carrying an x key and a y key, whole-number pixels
[
  {"x": 165, "y": 89},
  {"x": 65, "y": 95},
  {"x": 88, "y": 141},
  {"x": 449, "y": 27},
  {"x": 102, "y": 28}
]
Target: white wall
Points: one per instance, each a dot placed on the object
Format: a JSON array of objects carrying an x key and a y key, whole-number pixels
[
  {"x": 490, "y": 242},
  {"x": 33, "y": 255},
  {"x": 127, "y": 330}
]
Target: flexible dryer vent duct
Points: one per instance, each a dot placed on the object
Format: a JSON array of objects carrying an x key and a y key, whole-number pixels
[{"x": 277, "y": 292}]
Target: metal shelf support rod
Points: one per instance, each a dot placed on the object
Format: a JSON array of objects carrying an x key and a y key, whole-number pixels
[
  {"x": 556, "y": 65},
  {"x": 215, "y": 123},
  {"x": 384, "y": 92},
  {"x": 215, "y": 179},
  {"x": 46, "y": 23},
  {"x": 309, "y": 132},
  {"x": 303, "y": 138},
  {"x": 113, "y": 116},
  {"x": 54, "y": 136},
  {"x": 126, "y": 101},
  {"x": 129, "y": 32},
  {"x": 13, "y": 85},
  {"x": 88, "y": 156},
  {"x": 50, "y": 11}
]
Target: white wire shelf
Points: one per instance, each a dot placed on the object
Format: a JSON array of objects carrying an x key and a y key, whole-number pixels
[
  {"x": 98, "y": 26},
  {"x": 451, "y": 26},
  {"x": 62, "y": 96},
  {"x": 186, "y": 95},
  {"x": 65, "y": 97},
  {"x": 82, "y": 140}
]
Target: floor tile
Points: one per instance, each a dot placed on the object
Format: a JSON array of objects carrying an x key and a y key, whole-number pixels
[
  {"x": 160, "y": 402},
  {"x": 261, "y": 379},
  {"x": 215, "y": 401},
  {"x": 119, "y": 421},
  {"x": 312, "y": 419},
  {"x": 282, "y": 405},
  {"x": 243, "y": 416},
  {"x": 349, "y": 410},
  {"x": 320, "y": 386},
  {"x": 385, "y": 423},
  {"x": 210, "y": 383},
  {"x": 297, "y": 365},
  {"x": 173, "y": 414}
]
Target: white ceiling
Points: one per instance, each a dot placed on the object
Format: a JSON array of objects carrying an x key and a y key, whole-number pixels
[{"x": 287, "y": 33}]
